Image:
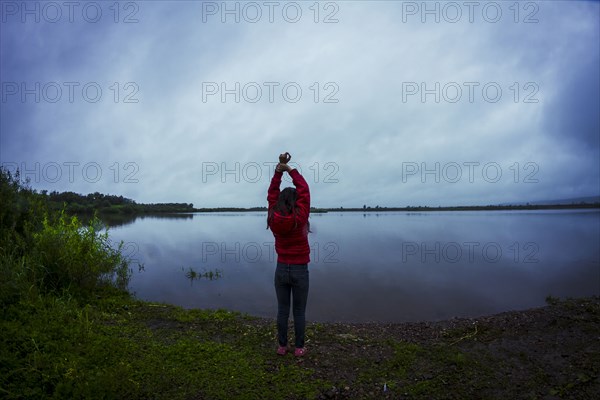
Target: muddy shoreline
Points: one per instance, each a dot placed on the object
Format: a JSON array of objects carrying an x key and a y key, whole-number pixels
[{"x": 552, "y": 352}]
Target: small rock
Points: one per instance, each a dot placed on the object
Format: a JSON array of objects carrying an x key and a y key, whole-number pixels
[{"x": 347, "y": 336}]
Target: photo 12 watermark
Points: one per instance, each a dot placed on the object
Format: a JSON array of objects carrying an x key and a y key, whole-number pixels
[
  {"x": 473, "y": 252},
  {"x": 254, "y": 172},
  {"x": 254, "y": 252},
  {"x": 470, "y": 171},
  {"x": 130, "y": 251},
  {"x": 55, "y": 12},
  {"x": 269, "y": 92},
  {"x": 73, "y": 171},
  {"x": 253, "y": 12},
  {"x": 469, "y": 92},
  {"x": 69, "y": 92},
  {"x": 452, "y": 12}
]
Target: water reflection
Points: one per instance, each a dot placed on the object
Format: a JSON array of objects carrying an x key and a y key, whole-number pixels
[
  {"x": 115, "y": 220},
  {"x": 393, "y": 266}
]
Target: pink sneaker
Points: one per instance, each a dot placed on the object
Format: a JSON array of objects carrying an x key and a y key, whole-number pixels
[
  {"x": 282, "y": 350},
  {"x": 300, "y": 351}
]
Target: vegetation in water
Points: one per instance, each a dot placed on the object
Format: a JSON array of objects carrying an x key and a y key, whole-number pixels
[{"x": 210, "y": 275}]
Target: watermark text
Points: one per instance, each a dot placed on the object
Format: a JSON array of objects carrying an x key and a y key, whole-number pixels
[
  {"x": 453, "y": 12},
  {"x": 69, "y": 92},
  {"x": 253, "y": 172},
  {"x": 72, "y": 171},
  {"x": 270, "y": 11},
  {"x": 54, "y": 12},
  {"x": 469, "y": 171},
  {"x": 253, "y": 252},
  {"x": 269, "y": 92},
  {"x": 468, "y": 92},
  {"x": 469, "y": 252}
]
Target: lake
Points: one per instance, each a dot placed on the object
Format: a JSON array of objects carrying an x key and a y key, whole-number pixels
[{"x": 366, "y": 267}]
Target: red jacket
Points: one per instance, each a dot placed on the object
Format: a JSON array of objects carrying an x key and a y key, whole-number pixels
[{"x": 290, "y": 231}]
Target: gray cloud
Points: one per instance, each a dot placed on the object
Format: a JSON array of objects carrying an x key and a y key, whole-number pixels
[{"x": 356, "y": 151}]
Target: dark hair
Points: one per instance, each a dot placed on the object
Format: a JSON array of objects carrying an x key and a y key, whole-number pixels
[{"x": 286, "y": 204}]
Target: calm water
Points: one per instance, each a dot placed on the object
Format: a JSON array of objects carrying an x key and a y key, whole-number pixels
[{"x": 392, "y": 266}]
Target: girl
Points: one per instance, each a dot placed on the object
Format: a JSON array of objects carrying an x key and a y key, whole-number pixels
[{"x": 288, "y": 220}]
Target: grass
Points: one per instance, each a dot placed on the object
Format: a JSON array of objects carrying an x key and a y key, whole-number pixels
[
  {"x": 117, "y": 347},
  {"x": 113, "y": 346}
]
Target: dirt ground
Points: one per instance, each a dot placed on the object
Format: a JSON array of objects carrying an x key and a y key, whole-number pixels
[
  {"x": 545, "y": 353},
  {"x": 548, "y": 353}
]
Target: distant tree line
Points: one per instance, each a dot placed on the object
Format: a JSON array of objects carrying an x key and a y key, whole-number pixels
[
  {"x": 75, "y": 203},
  {"x": 108, "y": 204},
  {"x": 490, "y": 207}
]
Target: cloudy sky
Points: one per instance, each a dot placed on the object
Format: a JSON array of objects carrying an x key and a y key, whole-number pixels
[{"x": 381, "y": 103}]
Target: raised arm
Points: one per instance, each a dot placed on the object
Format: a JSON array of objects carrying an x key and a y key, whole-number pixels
[
  {"x": 303, "y": 194},
  {"x": 273, "y": 192}
]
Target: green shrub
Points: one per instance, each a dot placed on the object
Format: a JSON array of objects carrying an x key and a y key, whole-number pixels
[
  {"x": 42, "y": 250},
  {"x": 76, "y": 257}
]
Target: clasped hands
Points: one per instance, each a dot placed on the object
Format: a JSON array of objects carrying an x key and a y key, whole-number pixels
[{"x": 284, "y": 158}]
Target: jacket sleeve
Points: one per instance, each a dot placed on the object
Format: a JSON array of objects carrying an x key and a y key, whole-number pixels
[
  {"x": 273, "y": 193},
  {"x": 303, "y": 195}
]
